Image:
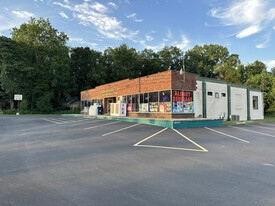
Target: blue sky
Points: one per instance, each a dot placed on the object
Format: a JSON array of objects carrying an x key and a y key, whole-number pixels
[{"x": 245, "y": 27}]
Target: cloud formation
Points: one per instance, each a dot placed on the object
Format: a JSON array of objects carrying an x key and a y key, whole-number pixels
[
  {"x": 63, "y": 15},
  {"x": 22, "y": 14},
  {"x": 134, "y": 17},
  {"x": 252, "y": 16},
  {"x": 96, "y": 14}
]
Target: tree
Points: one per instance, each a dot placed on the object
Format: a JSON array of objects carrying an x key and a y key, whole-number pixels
[
  {"x": 203, "y": 59},
  {"x": 10, "y": 63},
  {"x": 170, "y": 58},
  {"x": 121, "y": 62},
  {"x": 228, "y": 70},
  {"x": 266, "y": 83},
  {"x": 149, "y": 62},
  {"x": 86, "y": 69},
  {"x": 255, "y": 68},
  {"x": 47, "y": 70}
]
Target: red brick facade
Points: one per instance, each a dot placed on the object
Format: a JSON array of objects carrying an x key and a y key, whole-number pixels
[
  {"x": 156, "y": 82},
  {"x": 168, "y": 80}
]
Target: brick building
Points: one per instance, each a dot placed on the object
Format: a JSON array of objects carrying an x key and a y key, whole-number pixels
[
  {"x": 172, "y": 94},
  {"x": 166, "y": 94}
]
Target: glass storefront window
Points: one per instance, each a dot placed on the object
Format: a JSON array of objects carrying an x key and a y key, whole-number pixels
[
  {"x": 182, "y": 101},
  {"x": 153, "y": 97},
  {"x": 164, "y": 96},
  {"x": 135, "y": 103}
]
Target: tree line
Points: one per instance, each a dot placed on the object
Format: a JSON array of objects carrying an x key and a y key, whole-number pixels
[{"x": 37, "y": 63}]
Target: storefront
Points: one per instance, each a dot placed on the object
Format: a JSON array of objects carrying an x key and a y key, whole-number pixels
[{"x": 167, "y": 94}]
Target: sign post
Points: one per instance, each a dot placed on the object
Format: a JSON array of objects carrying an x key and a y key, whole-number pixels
[{"x": 18, "y": 98}]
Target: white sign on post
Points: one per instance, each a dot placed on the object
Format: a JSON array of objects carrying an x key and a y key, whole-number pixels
[{"x": 18, "y": 97}]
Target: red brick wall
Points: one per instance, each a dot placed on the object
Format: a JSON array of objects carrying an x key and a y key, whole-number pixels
[
  {"x": 154, "y": 82},
  {"x": 185, "y": 81},
  {"x": 150, "y": 83}
]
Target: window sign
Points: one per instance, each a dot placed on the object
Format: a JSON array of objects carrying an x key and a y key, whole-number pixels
[
  {"x": 143, "y": 107},
  {"x": 129, "y": 107},
  {"x": 153, "y": 107},
  {"x": 182, "y": 102}
]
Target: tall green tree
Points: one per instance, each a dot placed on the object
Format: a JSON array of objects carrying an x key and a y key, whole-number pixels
[
  {"x": 121, "y": 62},
  {"x": 266, "y": 83},
  {"x": 149, "y": 62},
  {"x": 170, "y": 58},
  {"x": 11, "y": 60},
  {"x": 47, "y": 73},
  {"x": 203, "y": 59},
  {"x": 255, "y": 68},
  {"x": 86, "y": 69},
  {"x": 228, "y": 70}
]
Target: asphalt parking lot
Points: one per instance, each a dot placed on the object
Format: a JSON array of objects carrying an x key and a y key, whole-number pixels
[{"x": 55, "y": 160}]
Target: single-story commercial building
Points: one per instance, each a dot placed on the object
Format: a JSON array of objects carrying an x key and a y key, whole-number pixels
[{"x": 174, "y": 94}]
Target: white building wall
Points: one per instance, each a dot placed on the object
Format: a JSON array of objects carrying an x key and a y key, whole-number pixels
[
  {"x": 239, "y": 102},
  {"x": 198, "y": 100},
  {"x": 256, "y": 113},
  {"x": 217, "y": 103}
]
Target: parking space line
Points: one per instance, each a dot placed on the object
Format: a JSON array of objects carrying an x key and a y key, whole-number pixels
[
  {"x": 119, "y": 130},
  {"x": 262, "y": 127},
  {"x": 101, "y": 125},
  {"x": 173, "y": 148},
  {"x": 52, "y": 121},
  {"x": 213, "y": 130},
  {"x": 199, "y": 146},
  {"x": 137, "y": 144},
  {"x": 253, "y": 131}
]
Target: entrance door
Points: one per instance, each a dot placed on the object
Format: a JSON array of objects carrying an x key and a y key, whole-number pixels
[{"x": 109, "y": 101}]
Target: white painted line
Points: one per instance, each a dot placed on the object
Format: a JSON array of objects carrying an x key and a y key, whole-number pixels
[
  {"x": 242, "y": 140},
  {"x": 82, "y": 123},
  {"x": 173, "y": 148},
  {"x": 137, "y": 144},
  {"x": 119, "y": 130},
  {"x": 102, "y": 125},
  {"x": 199, "y": 146},
  {"x": 52, "y": 121},
  {"x": 253, "y": 131},
  {"x": 267, "y": 164},
  {"x": 262, "y": 127}
]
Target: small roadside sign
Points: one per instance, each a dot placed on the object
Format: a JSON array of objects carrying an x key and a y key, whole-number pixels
[{"x": 18, "y": 97}]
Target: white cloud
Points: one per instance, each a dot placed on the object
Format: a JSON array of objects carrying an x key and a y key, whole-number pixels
[
  {"x": 82, "y": 41},
  {"x": 149, "y": 38},
  {"x": 134, "y": 17},
  {"x": 99, "y": 7},
  {"x": 63, "y": 15},
  {"x": 112, "y": 4},
  {"x": 248, "y": 31},
  {"x": 270, "y": 64},
  {"x": 22, "y": 14},
  {"x": 96, "y": 15},
  {"x": 250, "y": 15},
  {"x": 183, "y": 44}
]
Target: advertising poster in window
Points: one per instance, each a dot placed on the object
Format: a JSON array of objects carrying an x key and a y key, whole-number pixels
[
  {"x": 162, "y": 107},
  {"x": 165, "y": 107},
  {"x": 153, "y": 107},
  {"x": 183, "y": 101},
  {"x": 143, "y": 107},
  {"x": 129, "y": 107}
]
